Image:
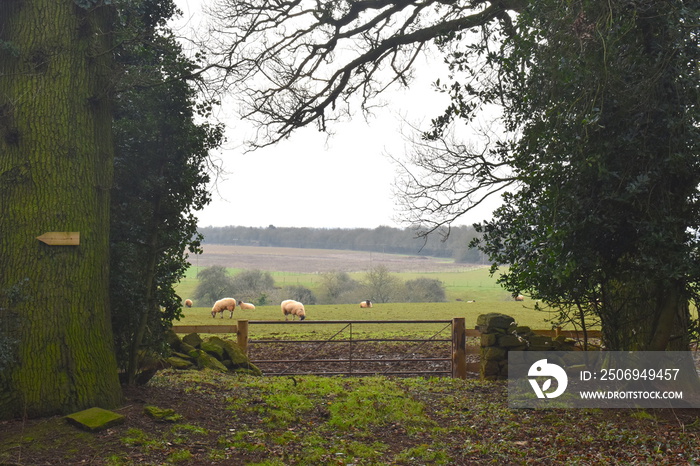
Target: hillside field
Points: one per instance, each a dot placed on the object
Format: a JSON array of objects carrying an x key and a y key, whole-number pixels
[
  {"x": 307, "y": 260},
  {"x": 290, "y": 266}
]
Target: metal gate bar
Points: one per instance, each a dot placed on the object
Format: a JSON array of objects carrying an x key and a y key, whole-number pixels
[
  {"x": 286, "y": 361},
  {"x": 312, "y": 322},
  {"x": 366, "y": 340},
  {"x": 361, "y": 373},
  {"x": 349, "y": 361}
]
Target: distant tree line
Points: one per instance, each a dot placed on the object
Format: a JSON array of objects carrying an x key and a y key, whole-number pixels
[
  {"x": 256, "y": 286},
  {"x": 381, "y": 239}
]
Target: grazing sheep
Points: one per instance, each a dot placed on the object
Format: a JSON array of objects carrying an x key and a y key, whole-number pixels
[
  {"x": 520, "y": 298},
  {"x": 295, "y": 308},
  {"x": 366, "y": 304},
  {"x": 226, "y": 304},
  {"x": 188, "y": 302},
  {"x": 243, "y": 305}
]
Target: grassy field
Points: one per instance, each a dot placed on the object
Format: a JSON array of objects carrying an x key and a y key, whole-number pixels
[
  {"x": 312, "y": 420},
  {"x": 291, "y": 266},
  {"x": 294, "y": 266},
  {"x": 469, "y": 284},
  {"x": 523, "y": 314},
  {"x": 221, "y": 419},
  {"x": 463, "y": 283}
]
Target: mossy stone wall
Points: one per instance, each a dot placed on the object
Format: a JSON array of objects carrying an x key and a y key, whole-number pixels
[{"x": 500, "y": 334}]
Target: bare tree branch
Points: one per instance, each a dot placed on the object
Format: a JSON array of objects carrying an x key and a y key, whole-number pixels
[
  {"x": 294, "y": 61},
  {"x": 443, "y": 179}
]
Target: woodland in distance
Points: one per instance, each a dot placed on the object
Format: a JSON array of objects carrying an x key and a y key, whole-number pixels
[{"x": 381, "y": 239}]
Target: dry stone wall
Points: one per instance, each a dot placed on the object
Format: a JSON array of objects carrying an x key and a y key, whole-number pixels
[{"x": 500, "y": 334}]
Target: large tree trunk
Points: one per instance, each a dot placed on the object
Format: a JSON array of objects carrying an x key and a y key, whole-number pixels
[{"x": 55, "y": 175}]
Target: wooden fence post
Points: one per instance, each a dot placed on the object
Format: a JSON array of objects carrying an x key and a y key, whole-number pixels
[
  {"x": 459, "y": 348},
  {"x": 242, "y": 336}
]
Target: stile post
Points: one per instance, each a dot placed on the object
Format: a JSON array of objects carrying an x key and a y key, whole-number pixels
[
  {"x": 459, "y": 348},
  {"x": 242, "y": 336}
]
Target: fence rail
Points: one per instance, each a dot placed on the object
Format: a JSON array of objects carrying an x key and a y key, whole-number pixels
[
  {"x": 458, "y": 365},
  {"x": 349, "y": 365}
]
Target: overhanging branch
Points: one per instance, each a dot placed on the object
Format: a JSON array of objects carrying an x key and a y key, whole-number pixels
[{"x": 291, "y": 62}]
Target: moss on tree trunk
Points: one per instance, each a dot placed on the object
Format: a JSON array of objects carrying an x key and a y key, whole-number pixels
[{"x": 55, "y": 175}]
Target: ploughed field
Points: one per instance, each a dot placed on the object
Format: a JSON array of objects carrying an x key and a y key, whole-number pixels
[{"x": 316, "y": 260}]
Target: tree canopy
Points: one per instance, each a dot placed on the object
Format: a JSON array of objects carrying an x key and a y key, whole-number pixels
[
  {"x": 214, "y": 283},
  {"x": 607, "y": 116},
  {"x": 161, "y": 172}
]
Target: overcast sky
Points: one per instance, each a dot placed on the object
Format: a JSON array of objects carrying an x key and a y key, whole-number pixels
[{"x": 312, "y": 180}]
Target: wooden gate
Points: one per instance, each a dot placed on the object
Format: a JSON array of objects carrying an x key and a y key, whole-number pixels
[
  {"x": 456, "y": 364},
  {"x": 350, "y": 364}
]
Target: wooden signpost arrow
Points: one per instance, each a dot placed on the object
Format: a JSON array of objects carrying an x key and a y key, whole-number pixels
[{"x": 60, "y": 238}]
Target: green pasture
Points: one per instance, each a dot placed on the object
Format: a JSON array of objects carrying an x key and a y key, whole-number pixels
[
  {"x": 523, "y": 313},
  {"x": 468, "y": 285}
]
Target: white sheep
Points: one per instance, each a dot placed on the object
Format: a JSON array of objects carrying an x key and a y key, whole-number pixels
[
  {"x": 293, "y": 308},
  {"x": 248, "y": 306},
  {"x": 188, "y": 302},
  {"x": 226, "y": 304},
  {"x": 366, "y": 304}
]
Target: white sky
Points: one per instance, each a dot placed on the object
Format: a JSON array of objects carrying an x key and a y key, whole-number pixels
[{"x": 311, "y": 179}]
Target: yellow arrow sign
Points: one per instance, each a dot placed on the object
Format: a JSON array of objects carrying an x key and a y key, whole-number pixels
[{"x": 60, "y": 238}]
